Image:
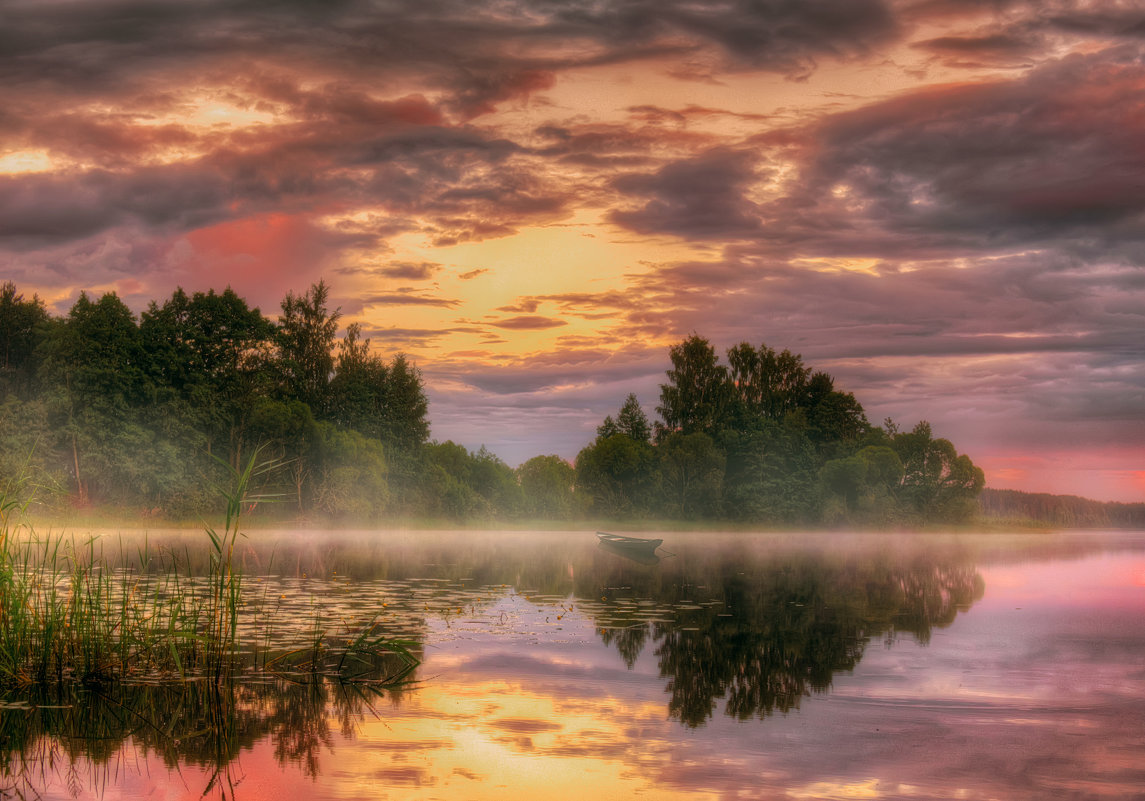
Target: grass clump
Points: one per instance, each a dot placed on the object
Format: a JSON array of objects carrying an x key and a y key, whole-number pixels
[{"x": 70, "y": 614}]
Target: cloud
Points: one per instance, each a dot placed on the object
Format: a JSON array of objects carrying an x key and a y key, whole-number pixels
[
  {"x": 527, "y": 305},
  {"x": 951, "y": 171},
  {"x": 528, "y": 322},
  {"x": 414, "y": 271},
  {"x": 407, "y": 299},
  {"x": 696, "y": 198}
]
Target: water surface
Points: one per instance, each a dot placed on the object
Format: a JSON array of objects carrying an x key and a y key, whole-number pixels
[{"x": 741, "y": 666}]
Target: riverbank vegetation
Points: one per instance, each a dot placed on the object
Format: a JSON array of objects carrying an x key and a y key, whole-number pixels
[
  {"x": 115, "y": 415},
  {"x": 72, "y": 613},
  {"x": 1059, "y": 511}
]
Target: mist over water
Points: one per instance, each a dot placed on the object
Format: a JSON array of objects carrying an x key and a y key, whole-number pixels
[{"x": 734, "y": 665}]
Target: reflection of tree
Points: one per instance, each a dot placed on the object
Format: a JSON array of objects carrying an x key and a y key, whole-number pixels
[
  {"x": 188, "y": 723},
  {"x": 787, "y": 624},
  {"x": 629, "y": 641}
]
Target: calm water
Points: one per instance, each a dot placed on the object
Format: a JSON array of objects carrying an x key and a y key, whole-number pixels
[{"x": 741, "y": 667}]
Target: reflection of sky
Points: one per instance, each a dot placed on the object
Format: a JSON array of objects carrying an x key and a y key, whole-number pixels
[{"x": 1038, "y": 691}]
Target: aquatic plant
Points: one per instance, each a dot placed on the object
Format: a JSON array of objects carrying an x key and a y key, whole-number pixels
[{"x": 71, "y": 614}]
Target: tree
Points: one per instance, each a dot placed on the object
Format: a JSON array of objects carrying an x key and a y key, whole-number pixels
[
  {"x": 358, "y": 390},
  {"x": 306, "y": 333},
  {"x": 496, "y": 482},
  {"x": 632, "y": 421},
  {"x": 351, "y": 471},
  {"x": 446, "y": 481},
  {"x": 406, "y": 426},
  {"x": 844, "y": 480},
  {"x": 767, "y": 383},
  {"x": 547, "y": 485},
  {"x": 607, "y": 429},
  {"x": 616, "y": 476},
  {"x": 834, "y": 418},
  {"x": 698, "y": 389},
  {"x": 286, "y": 432},
  {"x": 938, "y": 484},
  {"x": 692, "y": 470},
  {"x": 95, "y": 360},
  {"x": 210, "y": 350},
  {"x": 22, "y": 327},
  {"x": 771, "y": 471}
]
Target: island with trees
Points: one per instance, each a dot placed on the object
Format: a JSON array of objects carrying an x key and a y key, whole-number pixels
[{"x": 101, "y": 410}]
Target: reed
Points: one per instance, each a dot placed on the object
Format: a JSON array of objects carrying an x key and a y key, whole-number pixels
[{"x": 70, "y": 613}]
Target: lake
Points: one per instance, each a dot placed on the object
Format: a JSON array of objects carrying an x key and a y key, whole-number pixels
[{"x": 737, "y": 666}]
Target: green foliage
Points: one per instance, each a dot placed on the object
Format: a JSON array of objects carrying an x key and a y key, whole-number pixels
[
  {"x": 23, "y": 325},
  {"x": 692, "y": 471},
  {"x": 938, "y": 484},
  {"x": 386, "y": 402},
  {"x": 771, "y": 472},
  {"x": 305, "y": 339},
  {"x": 460, "y": 484},
  {"x": 496, "y": 483},
  {"x": 632, "y": 421},
  {"x": 351, "y": 474},
  {"x": 132, "y": 415},
  {"x": 70, "y": 615},
  {"x": 780, "y": 444},
  {"x": 547, "y": 486},
  {"x": 768, "y": 384},
  {"x": 106, "y": 411},
  {"x": 616, "y": 477},
  {"x": 698, "y": 392}
]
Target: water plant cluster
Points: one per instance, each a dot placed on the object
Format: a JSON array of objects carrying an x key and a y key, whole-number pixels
[{"x": 72, "y": 614}]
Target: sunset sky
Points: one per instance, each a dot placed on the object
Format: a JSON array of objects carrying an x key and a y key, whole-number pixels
[{"x": 939, "y": 202}]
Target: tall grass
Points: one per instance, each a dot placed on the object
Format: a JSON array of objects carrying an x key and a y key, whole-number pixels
[{"x": 68, "y": 613}]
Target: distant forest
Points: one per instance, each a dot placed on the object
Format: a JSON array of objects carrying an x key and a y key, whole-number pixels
[
  {"x": 100, "y": 410},
  {"x": 1065, "y": 511}
]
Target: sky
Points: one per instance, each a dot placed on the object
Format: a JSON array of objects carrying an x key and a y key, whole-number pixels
[{"x": 941, "y": 203}]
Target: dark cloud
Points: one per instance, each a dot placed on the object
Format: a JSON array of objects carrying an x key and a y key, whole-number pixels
[
  {"x": 525, "y": 305},
  {"x": 482, "y": 55},
  {"x": 414, "y": 271},
  {"x": 408, "y": 299},
  {"x": 704, "y": 198},
  {"x": 528, "y": 322},
  {"x": 1052, "y": 157},
  {"x": 1001, "y": 31},
  {"x": 395, "y": 337},
  {"x": 991, "y": 48},
  {"x": 995, "y": 43}
]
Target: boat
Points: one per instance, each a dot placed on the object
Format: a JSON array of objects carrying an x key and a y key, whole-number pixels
[{"x": 633, "y": 544}]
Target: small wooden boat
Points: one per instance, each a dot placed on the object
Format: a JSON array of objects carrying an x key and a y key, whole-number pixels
[{"x": 634, "y": 544}]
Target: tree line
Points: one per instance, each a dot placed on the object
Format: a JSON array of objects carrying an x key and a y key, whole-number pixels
[
  {"x": 1067, "y": 511},
  {"x": 101, "y": 409},
  {"x": 764, "y": 439}
]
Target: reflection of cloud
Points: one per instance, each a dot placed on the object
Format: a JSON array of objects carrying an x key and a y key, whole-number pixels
[
  {"x": 404, "y": 776},
  {"x": 525, "y": 726}
]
